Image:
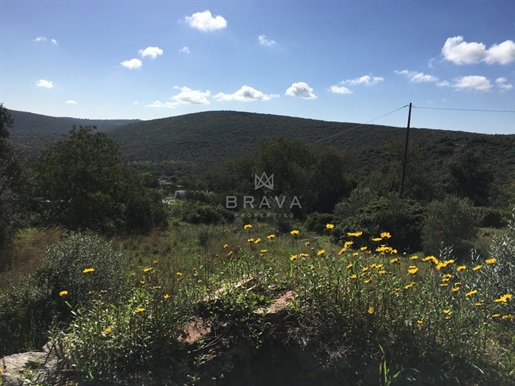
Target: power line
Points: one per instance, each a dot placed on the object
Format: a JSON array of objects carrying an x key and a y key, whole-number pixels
[
  {"x": 361, "y": 124},
  {"x": 453, "y": 109}
]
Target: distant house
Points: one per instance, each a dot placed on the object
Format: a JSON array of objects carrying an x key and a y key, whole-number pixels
[
  {"x": 181, "y": 193},
  {"x": 163, "y": 181}
]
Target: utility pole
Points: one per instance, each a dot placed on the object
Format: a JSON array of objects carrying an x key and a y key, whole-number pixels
[{"x": 405, "y": 154}]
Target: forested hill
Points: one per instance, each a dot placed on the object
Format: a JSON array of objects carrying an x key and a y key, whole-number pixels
[
  {"x": 39, "y": 131},
  {"x": 204, "y": 140},
  {"x": 207, "y": 138}
]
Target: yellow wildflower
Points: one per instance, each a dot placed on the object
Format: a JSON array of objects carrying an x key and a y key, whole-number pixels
[
  {"x": 88, "y": 270},
  {"x": 107, "y": 331},
  {"x": 446, "y": 312},
  {"x": 461, "y": 268},
  {"x": 496, "y": 315},
  {"x": 329, "y": 226},
  {"x": 473, "y": 292},
  {"x": 264, "y": 251},
  {"x": 414, "y": 257},
  {"x": 385, "y": 235},
  {"x": 376, "y": 239},
  {"x": 409, "y": 285},
  {"x": 354, "y": 234},
  {"x": 166, "y": 296},
  {"x": 250, "y": 240},
  {"x": 270, "y": 237},
  {"x": 293, "y": 257},
  {"x": 247, "y": 226},
  {"x": 179, "y": 274},
  {"x": 148, "y": 269},
  {"x": 348, "y": 244},
  {"x": 490, "y": 261},
  {"x": 382, "y": 272},
  {"x": 230, "y": 253},
  {"x": 355, "y": 254},
  {"x": 349, "y": 266},
  {"x": 477, "y": 267},
  {"x": 142, "y": 282},
  {"x": 157, "y": 287},
  {"x": 368, "y": 281},
  {"x": 226, "y": 245},
  {"x": 455, "y": 289},
  {"x": 363, "y": 248},
  {"x": 63, "y": 293},
  {"x": 505, "y": 317},
  {"x": 342, "y": 250},
  {"x": 364, "y": 269},
  {"x": 420, "y": 322},
  {"x": 257, "y": 241},
  {"x": 353, "y": 276},
  {"x": 304, "y": 255},
  {"x": 294, "y": 232},
  {"x": 412, "y": 269},
  {"x": 320, "y": 252},
  {"x": 394, "y": 260},
  {"x": 370, "y": 310},
  {"x": 139, "y": 309}
]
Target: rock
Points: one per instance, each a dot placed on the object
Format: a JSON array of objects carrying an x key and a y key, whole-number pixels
[{"x": 37, "y": 366}]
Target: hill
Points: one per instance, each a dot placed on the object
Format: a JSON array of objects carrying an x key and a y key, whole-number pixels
[
  {"x": 202, "y": 141},
  {"x": 205, "y": 139},
  {"x": 39, "y": 131}
]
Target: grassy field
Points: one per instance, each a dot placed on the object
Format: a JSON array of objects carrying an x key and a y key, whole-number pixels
[{"x": 371, "y": 310}]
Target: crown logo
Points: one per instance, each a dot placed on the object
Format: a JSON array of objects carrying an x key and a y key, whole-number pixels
[{"x": 264, "y": 181}]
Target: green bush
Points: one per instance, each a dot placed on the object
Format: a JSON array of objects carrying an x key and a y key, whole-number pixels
[
  {"x": 492, "y": 218},
  {"x": 30, "y": 308},
  {"x": 364, "y": 211},
  {"x": 197, "y": 213},
  {"x": 316, "y": 222},
  {"x": 451, "y": 222}
]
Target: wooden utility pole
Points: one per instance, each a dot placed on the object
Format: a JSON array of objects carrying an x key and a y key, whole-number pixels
[{"x": 405, "y": 154}]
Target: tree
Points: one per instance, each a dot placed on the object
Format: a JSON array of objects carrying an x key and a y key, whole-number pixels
[
  {"x": 6, "y": 121},
  {"x": 15, "y": 182},
  {"x": 83, "y": 186}
]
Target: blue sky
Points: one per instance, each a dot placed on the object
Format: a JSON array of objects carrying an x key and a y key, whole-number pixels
[{"x": 346, "y": 61}]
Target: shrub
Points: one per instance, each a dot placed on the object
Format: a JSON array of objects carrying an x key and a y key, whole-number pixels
[
  {"x": 451, "y": 222},
  {"x": 317, "y": 222},
  {"x": 30, "y": 308},
  {"x": 195, "y": 213}
]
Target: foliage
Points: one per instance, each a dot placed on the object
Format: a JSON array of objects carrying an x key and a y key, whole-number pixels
[
  {"x": 83, "y": 186},
  {"x": 372, "y": 214},
  {"x": 15, "y": 185},
  {"x": 32, "y": 306},
  {"x": 451, "y": 222},
  {"x": 198, "y": 213},
  {"x": 317, "y": 222}
]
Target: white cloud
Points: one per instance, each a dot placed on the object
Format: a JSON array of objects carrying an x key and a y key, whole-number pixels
[
  {"x": 265, "y": 42},
  {"x": 153, "y": 52},
  {"x": 245, "y": 94},
  {"x": 474, "y": 82},
  {"x": 501, "y": 83},
  {"x": 301, "y": 90},
  {"x": 204, "y": 21},
  {"x": 187, "y": 96},
  {"x": 365, "y": 79},
  {"x": 185, "y": 49},
  {"x": 443, "y": 83},
  {"x": 457, "y": 51},
  {"x": 132, "y": 64},
  {"x": 417, "y": 77},
  {"x": 44, "y": 83},
  {"x": 136, "y": 103},
  {"x": 340, "y": 89},
  {"x": 70, "y": 102},
  {"x": 42, "y": 39}
]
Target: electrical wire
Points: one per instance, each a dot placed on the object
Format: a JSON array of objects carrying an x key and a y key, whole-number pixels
[{"x": 359, "y": 125}]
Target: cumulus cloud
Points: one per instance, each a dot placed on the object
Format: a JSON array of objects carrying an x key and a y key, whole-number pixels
[
  {"x": 187, "y": 96},
  {"x": 501, "y": 83},
  {"x": 338, "y": 89},
  {"x": 417, "y": 77},
  {"x": 54, "y": 41},
  {"x": 264, "y": 41},
  {"x": 204, "y": 21},
  {"x": 132, "y": 64},
  {"x": 443, "y": 83},
  {"x": 245, "y": 94},
  {"x": 70, "y": 102},
  {"x": 185, "y": 49},
  {"x": 44, "y": 83},
  {"x": 301, "y": 90},
  {"x": 153, "y": 52},
  {"x": 474, "y": 82},
  {"x": 458, "y": 51}
]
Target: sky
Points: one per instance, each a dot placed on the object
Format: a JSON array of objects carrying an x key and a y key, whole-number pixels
[{"x": 344, "y": 61}]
